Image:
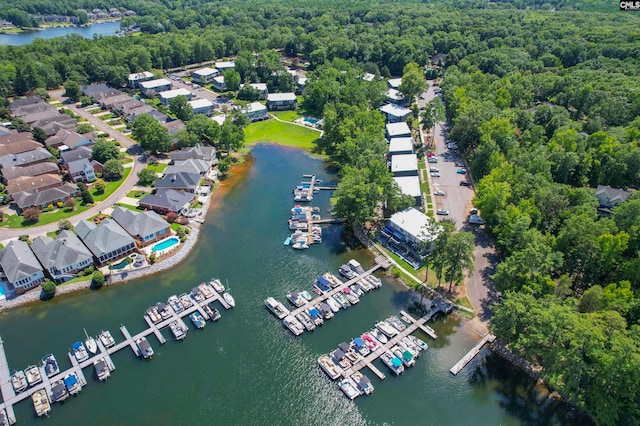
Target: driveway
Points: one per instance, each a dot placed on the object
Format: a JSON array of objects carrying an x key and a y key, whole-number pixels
[{"x": 458, "y": 200}]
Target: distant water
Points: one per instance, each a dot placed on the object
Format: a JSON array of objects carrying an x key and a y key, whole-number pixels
[
  {"x": 102, "y": 29},
  {"x": 247, "y": 369}
]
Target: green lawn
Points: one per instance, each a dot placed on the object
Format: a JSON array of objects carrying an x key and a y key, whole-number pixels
[
  {"x": 286, "y": 115},
  {"x": 129, "y": 207},
  {"x": 137, "y": 194},
  {"x": 158, "y": 167},
  {"x": 110, "y": 187},
  {"x": 281, "y": 133}
]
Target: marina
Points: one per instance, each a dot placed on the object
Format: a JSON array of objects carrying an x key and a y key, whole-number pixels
[
  {"x": 58, "y": 385},
  {"x": 488, "y": 338}
]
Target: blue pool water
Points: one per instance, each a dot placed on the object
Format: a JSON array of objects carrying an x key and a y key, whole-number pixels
[
  {"x": 165, "y": 244},
  {"x": 311, "y": 120},
  {"x": 120, "y": 265}
]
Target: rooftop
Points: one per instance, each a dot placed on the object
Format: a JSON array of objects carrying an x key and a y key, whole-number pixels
[
  {"x": 275, "y": 97},
  {"x": 401, "y": 144},
  {"x": 404, "y": 163},
  {"x": 414, "y": 223},
  {"x": 409, "y": 185},
  {"x": 398, "y": 129},
  {"x": 395, "y": 110}
]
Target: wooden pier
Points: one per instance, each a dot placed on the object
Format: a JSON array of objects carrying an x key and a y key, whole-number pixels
[
  {"x": 10, "y": 398},
  {"x": 472, "y": 354}
]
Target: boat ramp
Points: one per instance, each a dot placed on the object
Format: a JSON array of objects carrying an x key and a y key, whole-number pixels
[
  {"x": 10, "y": 398},
  {"x": 488, "y": 338}
]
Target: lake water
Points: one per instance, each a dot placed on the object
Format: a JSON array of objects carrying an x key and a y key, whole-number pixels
[
  {"x": 247, "y": 369},
  {"x": 102, "y": 29}
]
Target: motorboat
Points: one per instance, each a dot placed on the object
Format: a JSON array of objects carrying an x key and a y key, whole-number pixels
[
  {"x": 296, "y": 299},
  {"x": 145, "y": 348},
  {"x": 164, "y": 310},
  {"x": 371, "y": 343},
  {"x": 59, "y": 391},
  {"x": 4, "y": 419},
  {"x": 217, "y": 285},
  {"x": 349, "y": 353},
  {"x": 325, "y": 309},
  {"x": 41, "y": 403},
  {"x": 351, "y": 296},
  {"x": 153, "y": 314},
  {"x": 393, "y": 362},
  {"x": 300, "y": 245},
  {"x": 323, "y": 284},
  {"x": 333, "y": 280},
  {"x": 356, "y": 289},
  {"x": 102, "y": 369},
  {"x": 338, "y": 356},
  {"x": 378, "y": 335},
  {"x": 33, "y": 375},
  {"x": 107, "y": 339},
  {"x": 408, "y": 345},
  {"x": 90, "y": 343},
  {"x": 349, "y": 388},
  {"x": 79, "y": 351},
  {"x": 179, "y": 332},
  {"x": 375, "y": 281},
  {"x": 72, "y": 384},
  {"x": 197, "y": 295},
  {"x": 385, "y": 328},
  {"x": 396, "y": 323},
  {"x": 197, "y": 319},
  {"x": 405, "y": 356},
  {"x": 276, "y": 307},
  {"x": 19, "y": 381},
  {"x": 364, "y": 384},
  {"x": 419, "y": 342},
  {"x": 293, "y": 325},
  {"x": 304, "y": 318},
  {"x": 175, "y": 304},
  {"x": 186, "y": 300},
  {"x": 347, "y": 272},
  {"x": 342, "y": 300},
  {"x": 229, "y": 299},
  {"x": 315, "y": 316},
  {"x": 333, "y": 304},
  {"x": 215, "y": 313},
  {"x": 334, "y": 371},
  {"x": 355, "y": 266},
  {"x": 365, "y": 284},
  {"x": 405, "y": 317},
  {"x": 305, "y": 295},
  {"x": 50, "y": 365},
  {"x": 207, "y": 290},
  {"x": 360, "y": 346}
]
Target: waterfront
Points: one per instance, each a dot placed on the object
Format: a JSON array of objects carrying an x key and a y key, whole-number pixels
[
  {"x": 27, "y": 37},
  {"x": 247, "y": 368}
]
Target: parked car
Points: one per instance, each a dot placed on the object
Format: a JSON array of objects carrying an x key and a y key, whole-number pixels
[
  {"x": 435, "y": 174},
  {"x": 461, "y": 171},
  {"x": 432, "y": 160},
  {"x": 442, "y": 212},
  {"x": 434, "y": 169},
  {"x": 452, "y": 145},
  {"x": 459, "y": 164},
  {"x": 431, "y": 154},
  {"x": 473, "y": 211},
  {"x": 464, "y": 183},
  {"x": 439, "y": 192}
]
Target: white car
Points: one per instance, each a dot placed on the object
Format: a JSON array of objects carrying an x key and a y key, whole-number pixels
[
  {"x": 432, "y": 160},
  {"x": 435, "y": 174},
  {"x": 440, "y": 193},
  {"x": 442, "y": 212},
  {"x": 434, "y": 169}
]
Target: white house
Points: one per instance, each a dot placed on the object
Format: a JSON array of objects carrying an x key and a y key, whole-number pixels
[
  {"x": 219, "y": 84},
  {"x": 394, "y": 83},
  {"x": 262, "y": 88},
  {"x": 151, "y": 87},
  {"x": 281, "y": 101},
  {"x": 255, "y": 111},
  {"x": 205, "y": 75},
  {"x": 396, "y": 97},
  {"x": 138, "y": 77},
  {"x": 404, "y": 165},
  {"x": 413, "y": 225},
  {"x": 410, "y": 185},
  {"x": 165, "y": 97},
  {"x": 202, "y": 106},
  {"x": 397, "y": 130},
  {"x": 395, "y": 113},
  {"x": 400, "y": 146}
]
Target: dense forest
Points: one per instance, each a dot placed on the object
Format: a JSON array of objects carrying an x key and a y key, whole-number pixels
[{"x": 544, "y": 101}]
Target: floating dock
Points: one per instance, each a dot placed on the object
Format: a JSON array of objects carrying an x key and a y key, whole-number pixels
[
  {"x": 10, "y": 398},
  {"x": 488, "y": 338}
]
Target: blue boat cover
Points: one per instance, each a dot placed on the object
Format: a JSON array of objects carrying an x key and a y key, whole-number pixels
[
  {"x": 396, "y": 362},
  {"x": 323, "y": 283},
  {"x": 70, "y": 380},
  {"x": 76, "y": 345},
  {"x": 407, "y": 355},
  {"x": 314, "y": 313},
  {"x": 358, "y": 341}
]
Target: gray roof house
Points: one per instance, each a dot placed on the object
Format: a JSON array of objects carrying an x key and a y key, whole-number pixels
[
  {"x": 63, "y": 256},
  {"x": 33, "y": 170},
  {"x": 81, "y": 170},
  {"x": 20, "y": 266},
  {"x": 610, "y": 197},
  {"x": 146, "y": 227},
  {"x": 167, "y": 200},
  {"x": 27, "y": 158},
  {"x": 206, "y": 153},
  {"x": 188, "y": 166},
  {"x": 107, "y": 241},
  {"x": 70, "y": 139},
  {"x": 181, "y": 181},
  {"x": 24, "y": 101},
  {"x": 76, "y": 154},
  {"x": 42, "y": 199}
]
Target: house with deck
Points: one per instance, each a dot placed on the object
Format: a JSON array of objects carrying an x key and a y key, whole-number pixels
[
  {"x": 255, "y": 111},
  {"x": 20, "y": 267},
  {"x": 145, "y": 227},
  {"x": 62, "y": 256},
  {"x": 107, "y": 241},
  {"x": 151, "y": 87},
  {"x": 395, "y": 113}
]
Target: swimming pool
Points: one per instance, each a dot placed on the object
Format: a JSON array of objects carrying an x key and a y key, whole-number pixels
[
  {"x": 165, "y": 244},
  {"x": 120, "y": 265},
  {"x": 310, "y": 120}
]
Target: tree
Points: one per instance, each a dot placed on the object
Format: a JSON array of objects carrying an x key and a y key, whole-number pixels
[
  {"x": 39, "y": 134},
  {"x": 231, "y": 136},
  {"x": 65, "y": 225},
  {"x": 204, "y": 128},
  {"x": 185, "y": 138},
  {"x": 248, "y": 93},
  {"x": 231, "y": 79},
  {"x": 224, "y": 164},
  {"x": 99, "y": 186},
  {"x": 84, "y": 128},
  {"x": 151, "y": 135},
  {"x": 433, "y": 113},
  {"x": 86, "y": 196},
  {"x": 146, "y": 177},
  {"x": 105, "y": 150},
  {"x": 459, "y": 258},
  {"x": 72, "y": 90},
  {"x": 113, "y": 170},
  {"x": 70, "y": 203},
  {"x": 181, "y": 108},
  {"x": 97, "y": 279},
  {"x": 48, "y": 289},
  {"x": 413, "y": 81},
  {"x": 31, "y": 214}
]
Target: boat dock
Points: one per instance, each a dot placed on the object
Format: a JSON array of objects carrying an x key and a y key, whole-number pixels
[
  {"x": 488, "y": 338},
  {"x": 10, "y": 398}
]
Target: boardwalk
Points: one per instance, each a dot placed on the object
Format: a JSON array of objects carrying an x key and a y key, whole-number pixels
[
  {"x": 10, "y": 398},
  {"x": 471, "y": 354}
]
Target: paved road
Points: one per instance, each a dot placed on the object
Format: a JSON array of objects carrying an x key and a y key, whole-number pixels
[
  {"x": 480, "y": 288},
  {"x": 121, "y": 192}
]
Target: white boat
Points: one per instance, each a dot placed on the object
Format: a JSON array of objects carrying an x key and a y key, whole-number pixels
[
  {"x": 377, "y": 334},
  {"x": 217, "y": 285},
  {"x": 50, "y": 365},
  {"x": 197, "y": 295},
  {"x": 59, "y": 391},
  {"x": 351, "y": 296},
  {"x": 197, "y": 319},
  {"x": 356, "y": 267},
  {"x": 306, "y": 321},
  {"x": 145, "y": 348},
  {"x": 355, "y": 288},
  {"x": 4, "y": 419},
  {"x": 347, "y": 272},
  {"x": 349, "y": 388},
  {"x": 329, "y": 367},
  {"x": 407, "y": 344},
  {"x": 293, "y": 325},
  {"x": 41, "y": 403},
  {"x": 186, "y": 300},
  {"x": 175, "y": 304},
  {"x": 362, "y": 382},
  {"x": 404, "y": 355},
  {"x": 386, "y": 329},
  {"x": 79, "y": 351},
  {"x": 33, "y": 375},
  {"x": 179, "y": 332},
  {"x": 419, "y": 342},
  {"x": 229, "y": 299},
  {"x": 305, "y": 295},
  {"x": 333, "y": 280},
  {"x": 333, "y": 304},
  {"x": 164, "y": 310},
  {"x": 102, "y": 369},
  {"x": 90, "y": 343},
  {"x": 342, "y": 300},
  {"x": 153, "y": 314},
  {"x": 206, "y": 289},
  {"x": 393, "y": 362},
  {"x": 276, "y": 307},
  {"x": 315, "y": 316},
  {"x": 405, "y": 317},
  {"x": 19, "y": 381},
  {"x": 396, "y": 323},
  {"x": 359, "y": 345},
  {"x": 296, "y": 299},
  {"x": 73, "y": 385},
  {"x": 325, "y": 310},
  {"x": 300, "y": 245},
  {"x": 375, "y": 281},
  {"x": 107, "y": 339},
  {"x": 366, "y": 285}
]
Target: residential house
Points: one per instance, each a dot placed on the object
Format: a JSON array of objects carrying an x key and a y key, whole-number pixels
[
  {"x": 46, "y": 113},
  {"x": 112, "y": 102},
  {"x": 410, "y": 234},
  {"x": 17, "y": 103},
  {"x": 28, "y": 158},
  {"x": 20, "y": 266},
  {"x": 439, "y": 59},
  {"x": 368, "y": 76},
  {"x": 101, "y": 96},
  {"x": 165, "y": 97},
  {"x": 397, "y": 130},
  {"x": 167, "y": 200},
  {"x": 174, "y": 126},
  {"x": 34, "y": 170},
  {"x": 404, "y": 165},
  {"x": 191, "y": 165},
  {"x": 205, "y": 75},
  {"x": 41, "y": 199},
  {"x": 395, "y": 113},
  {"x": 106, "y": 241},
  {"x": 76, "y": 154},
  {"x": 225, "y": 65},
  {"x": 52, "y": 125},
  {"x": 394, "y": 83},
  {"x": 66, "y": 139},
  {"x": 124, "y": 108},
  {"x": 145, "y": 227},
  {"x": 151, "y": 87},
  {"x": 33, "y": 183},
  {"x": 400, "y": 146},
  {"x": 12, "y": 138},
  {"x": 138, "y": 77},
  {"x": 410, "y": 185},
  {"x": 219, "y": 84},
  {"x": 81, "y": 171},
  {"x": 180, "y": 181},
  {"x": 17, "y": 147},
  {"x": 610, "y": 197},
  {"x": 202, "y": 106},
  {"x": 261, "y": 88},
  {"x": 281, "y": 101},
  {"x": 145, "y": 109},
  {"x": 198, "y": 152},
  {"x": 255, "y": 111},
  {"x": 159, "y": 116},
  {"x": 396, "y": 97},
  {"x": 63, "y": 256}
]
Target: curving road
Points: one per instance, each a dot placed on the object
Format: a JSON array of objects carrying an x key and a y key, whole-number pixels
[{"x": 118, "y": 194}]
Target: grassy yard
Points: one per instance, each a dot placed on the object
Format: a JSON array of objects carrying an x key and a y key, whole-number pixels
[
  {"x": 158, "y": 167},
  {"x": 137, "y": 194},
  {"x": 287, "y": 115},
  {"x": 110, "y": 187},
  {"x": 129, "y": 207},
  {"x": 280, "y": 133}
]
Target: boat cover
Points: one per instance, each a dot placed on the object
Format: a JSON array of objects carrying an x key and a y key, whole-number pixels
[
  {"x": 396, "y": 362},
  {"x": 323, "y": 283},
  {"x": 325, "y": 307},
  {"x": 344, "y": 346},
  {"x": 76, "y": 345},
  {"x": 58, "y": 389},
  {"x": 338, "y": 354},
  {"x": 70, "y": 380},
  {"x": 364, "y": 380},
  {"x": 346, "y": 290},
  {"x": 407, "y": 355},
  {"x": 100, "y": 365},
  {"x": 358, "y": 341},
  {"x": 314, "y": 313}
]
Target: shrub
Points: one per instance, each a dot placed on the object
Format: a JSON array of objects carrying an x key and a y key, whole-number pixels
[
  {"x": 152, "y": 258},
  {"x": 97, "y": 279},
  {"x": 64, "y": 225},
  {"x": 99, "y": 186},
  {"x": 31, "y": 215},
  {"x": 171, "y": 217},
  {"x": 24, "y": 238},
  {"x": 60, "y": 204},
  {"x": 70, "y": 203},
  {"x": 48, "y": 289}
]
